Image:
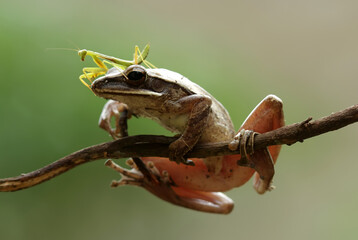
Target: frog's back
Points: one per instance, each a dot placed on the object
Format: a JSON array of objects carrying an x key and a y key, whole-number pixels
[{"x": 219, "y": 126}]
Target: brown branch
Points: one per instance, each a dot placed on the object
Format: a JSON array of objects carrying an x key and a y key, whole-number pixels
[{"x": 149, "y": 145}]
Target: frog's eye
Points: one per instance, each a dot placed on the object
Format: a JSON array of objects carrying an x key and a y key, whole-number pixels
[{"x": 136, "y": 75}]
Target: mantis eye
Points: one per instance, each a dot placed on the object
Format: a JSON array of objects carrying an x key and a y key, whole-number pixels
[{"x": 136, "y": 75}]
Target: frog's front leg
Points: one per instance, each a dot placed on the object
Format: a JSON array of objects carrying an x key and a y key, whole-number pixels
[
  {"x": 120, "y": 112},
  {"x": 146, "y": 175},
  {"x": 198, "y": 109}
]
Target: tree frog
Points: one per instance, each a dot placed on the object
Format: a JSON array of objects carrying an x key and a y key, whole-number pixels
[{"x": 185, "y": 108}]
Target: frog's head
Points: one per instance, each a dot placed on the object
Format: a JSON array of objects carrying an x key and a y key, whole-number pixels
[{"x": 136, "y": 84}]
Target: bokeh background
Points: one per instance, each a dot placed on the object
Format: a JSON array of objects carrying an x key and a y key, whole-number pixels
[{"x": 305, "y": 52}]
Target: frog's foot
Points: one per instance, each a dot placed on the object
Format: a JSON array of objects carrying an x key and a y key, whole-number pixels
[
  {"x": 141, "y": 174},
  {"x": 161, "y": 185},
  {"x": 128, "y": 177},
  {"x": 177, "y": 150},
  {"x": 120, "y": 112},
  {"x": 260, "y": 160},
  {"x": 245, "y": 140}
]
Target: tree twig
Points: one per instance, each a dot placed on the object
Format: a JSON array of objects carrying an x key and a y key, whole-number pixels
[{"x": 151, "y": 145}]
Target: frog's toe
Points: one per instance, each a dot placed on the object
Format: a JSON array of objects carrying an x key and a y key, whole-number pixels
[
  {"x": 177, "y": 151},
  {"x": 140, "y": 174},
  {"x": 244, "y": 140},
  {"x": 118, "y": 111},
  {"x": 128, "y": 176}
]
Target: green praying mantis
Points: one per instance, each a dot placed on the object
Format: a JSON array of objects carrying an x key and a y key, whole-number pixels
[{"x": 91, "y": 73}]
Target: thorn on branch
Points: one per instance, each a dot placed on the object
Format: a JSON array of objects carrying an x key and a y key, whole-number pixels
[
  {"x": 305, "y": 123},
  {"x": 302, "y": 127}
]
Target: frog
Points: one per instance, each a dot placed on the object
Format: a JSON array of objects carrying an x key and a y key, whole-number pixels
[{"x": 186, "y": 109}]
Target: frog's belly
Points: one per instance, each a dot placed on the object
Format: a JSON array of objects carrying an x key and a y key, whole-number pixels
[
  {"x": 218, "y": 128},
  {"x": 174, "y": 123}
]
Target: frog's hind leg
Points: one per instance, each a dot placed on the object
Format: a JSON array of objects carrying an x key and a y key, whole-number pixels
[
  {"x": 213, "y": 202},
  {"x": 267, "y": 116},
  {"x": 146, "y": 175}
]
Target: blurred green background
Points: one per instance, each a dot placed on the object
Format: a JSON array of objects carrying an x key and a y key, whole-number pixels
[{"x": 305, "y": 52}]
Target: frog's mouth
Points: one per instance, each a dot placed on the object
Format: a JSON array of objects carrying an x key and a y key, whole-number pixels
[{"x": 105, "y": 85}]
